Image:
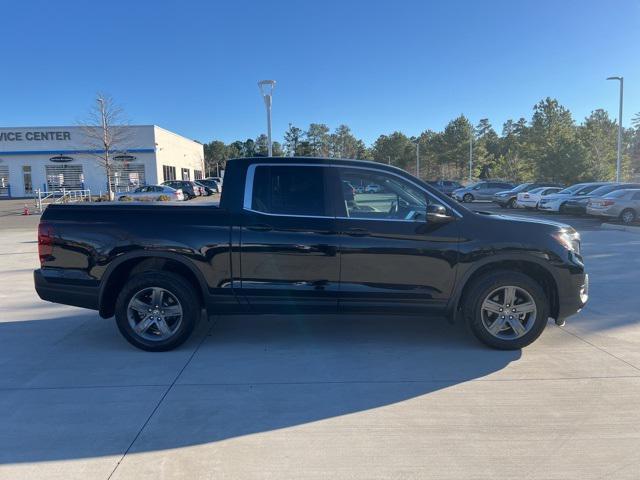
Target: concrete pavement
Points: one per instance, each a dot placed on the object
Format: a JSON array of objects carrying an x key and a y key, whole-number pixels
[{"x": 317, "y": 397}]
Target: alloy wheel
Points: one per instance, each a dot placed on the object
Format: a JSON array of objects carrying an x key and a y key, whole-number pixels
[
  {"x": 508, "y": 312},
  {"x": 154, "y": 314},
  {"x": 627, "y": 216}
]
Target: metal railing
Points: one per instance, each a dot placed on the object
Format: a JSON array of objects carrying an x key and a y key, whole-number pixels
[{"x": 44, "y": 198}]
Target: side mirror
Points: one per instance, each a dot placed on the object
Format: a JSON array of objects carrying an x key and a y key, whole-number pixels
[{"x": 438, "y": 214}]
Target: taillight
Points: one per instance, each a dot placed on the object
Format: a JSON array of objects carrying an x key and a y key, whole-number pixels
[
  {"x": 608, "y": 203},
  {"x": 45, "y": 241},
  {"x": 526, "y": 195}
]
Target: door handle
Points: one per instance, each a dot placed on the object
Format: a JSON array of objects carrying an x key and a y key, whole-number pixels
[
  {"x": 357, "y": 232},
  {"x": 260, "y": 227}
]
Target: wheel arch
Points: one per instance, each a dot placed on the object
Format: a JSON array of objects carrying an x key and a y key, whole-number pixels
[
  {"x": 128, "y": 265},
  {"x": 528, "y": 266}
]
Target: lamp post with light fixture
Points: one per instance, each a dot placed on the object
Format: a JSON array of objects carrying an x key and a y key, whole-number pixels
[
  {"x": 621, "y": 79},
  {"x": 266, "y": 89}
]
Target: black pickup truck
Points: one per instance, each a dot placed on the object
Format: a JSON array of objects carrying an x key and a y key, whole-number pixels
[{"x": 293, "y": 235}]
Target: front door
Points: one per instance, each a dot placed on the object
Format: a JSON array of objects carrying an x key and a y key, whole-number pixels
[
  {"x": 289, "y": 257},
  {"x": 392, "y": 259}
]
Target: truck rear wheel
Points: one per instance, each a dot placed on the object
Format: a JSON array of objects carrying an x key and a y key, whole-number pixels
[
  {"x": 157, "y": 311},
  {"x": 506, "y": 310}
]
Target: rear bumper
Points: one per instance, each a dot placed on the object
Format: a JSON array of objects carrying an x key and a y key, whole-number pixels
[
  {"x": 65, "y": 293},
  {"x": 502, "y": 201}
]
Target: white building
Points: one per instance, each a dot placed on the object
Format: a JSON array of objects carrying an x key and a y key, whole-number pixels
[{"x": 52, "y": 158}]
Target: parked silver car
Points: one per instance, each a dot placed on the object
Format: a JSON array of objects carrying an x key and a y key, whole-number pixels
[
  {"x": 151, "y": 192},
  {"x": 480, "y": 191},
  {"x": 621, "y": 204}
]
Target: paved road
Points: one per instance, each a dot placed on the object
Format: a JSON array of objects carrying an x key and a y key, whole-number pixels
[{"x": 321, "y": 397}]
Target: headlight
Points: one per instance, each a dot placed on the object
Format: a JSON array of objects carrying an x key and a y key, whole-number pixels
[{"x": 569, "y": 240}]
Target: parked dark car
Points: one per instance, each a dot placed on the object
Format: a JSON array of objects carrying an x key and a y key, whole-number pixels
[
  {"x": 578, "y": 205},
  {"x": 286, "y": 239},
  {"x": 210, "y": 186},
  {"x": 189, "y": 189},
  {"x": 445, "y": 186},
  {"x": 507, "y": 198}
]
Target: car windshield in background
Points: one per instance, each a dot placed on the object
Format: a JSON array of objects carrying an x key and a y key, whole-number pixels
[
  {"x": 538, "y": 190},
  {"x": 572, "y": 189},
  {"x": 521, "y": 188},
  {"x": 589, "y": 189}
]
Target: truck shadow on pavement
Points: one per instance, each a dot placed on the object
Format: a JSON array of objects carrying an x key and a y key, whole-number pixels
[{"x": 83, "y": 392}]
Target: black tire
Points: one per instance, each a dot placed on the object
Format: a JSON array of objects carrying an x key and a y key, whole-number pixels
[
  {"x": 562, "y": 209},
  {"x": 628, "y": 216},
  {"x": 178, "y": 287},
  {"x": 511, "y": 203},
  {"x": 467, "y": 198},
  {"x": 483, "y": 286}
]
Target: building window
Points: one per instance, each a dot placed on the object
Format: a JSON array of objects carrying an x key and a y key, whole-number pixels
[
  {"x": 168, "y": 173},
  {"x": 26, "y": 176},
  {"x": 185, "y": 174},
  {"x": 197, "y": 174}
]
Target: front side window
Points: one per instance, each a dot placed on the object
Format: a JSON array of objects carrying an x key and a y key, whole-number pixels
[
  {"x": 290, "y": 190},
  {"x": 392, "y": 198}
]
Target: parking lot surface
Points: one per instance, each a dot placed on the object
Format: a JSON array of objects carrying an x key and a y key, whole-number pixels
[{"x": 321, "y": 396}]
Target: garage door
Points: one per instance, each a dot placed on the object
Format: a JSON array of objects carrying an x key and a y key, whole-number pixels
[
  {"x": 4, "y": 180},
  {"x": 126, "y": 177},
  {"x": 69, "y": 177}
]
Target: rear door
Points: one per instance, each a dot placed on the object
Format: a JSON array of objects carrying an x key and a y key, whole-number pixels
[{"x": 288, "y": 252}]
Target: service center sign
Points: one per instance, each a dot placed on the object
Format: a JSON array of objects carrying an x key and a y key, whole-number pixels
[{"x": 35, "y": 136}]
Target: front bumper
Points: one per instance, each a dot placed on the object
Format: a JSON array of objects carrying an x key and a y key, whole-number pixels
[
  {"x": 573, "y": 296},
  {"x": 576, "y": 208},
  {"x": 502, "y": 201}
]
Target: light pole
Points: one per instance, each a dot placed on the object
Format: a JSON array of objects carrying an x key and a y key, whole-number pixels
[
  {"x": 621, "y": 79},
  {"x": 418, "y": 158},
  {"x": 266, "y": 89},
  {"x": 470, "y": 153}
]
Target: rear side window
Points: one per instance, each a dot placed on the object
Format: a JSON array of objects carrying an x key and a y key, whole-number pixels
[{"x": 288, "y": 190}]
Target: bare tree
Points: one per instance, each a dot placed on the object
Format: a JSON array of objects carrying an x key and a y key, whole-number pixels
[{"x": 105, "y": 131}]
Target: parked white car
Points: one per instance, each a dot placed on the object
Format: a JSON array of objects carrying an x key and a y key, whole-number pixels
[
  {"x": 532, "y": 198},
  {"x": 372, "y": 188},
  {"x": 152, "y": 192}
]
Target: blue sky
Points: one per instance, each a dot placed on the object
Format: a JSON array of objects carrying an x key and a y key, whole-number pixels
[{"x": 192, "y": 67}]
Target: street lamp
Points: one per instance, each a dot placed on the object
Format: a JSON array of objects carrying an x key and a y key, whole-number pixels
[
  {"x": 621, "y": 79},
  {"x": 470, "y": 153},
  {"x": 266, "y": 89},
  {"x": 417, "y": 158}
]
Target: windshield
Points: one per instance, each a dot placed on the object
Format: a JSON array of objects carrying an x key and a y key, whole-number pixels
[
  {"x": 523, "y": 187},
  {"x": 589, "y": 189},
  {"x": 571, "y": 189},
  {"x": 598, "y": 192},
  {"x": 537, "y": 190}
]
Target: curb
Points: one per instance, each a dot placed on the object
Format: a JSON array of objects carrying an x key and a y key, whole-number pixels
[{"x": 622, "y": 228}]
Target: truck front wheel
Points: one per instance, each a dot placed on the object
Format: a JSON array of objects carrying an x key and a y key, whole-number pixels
[
  {"x": 157, "y": 311},
  {"x": 507, "y": 310}
]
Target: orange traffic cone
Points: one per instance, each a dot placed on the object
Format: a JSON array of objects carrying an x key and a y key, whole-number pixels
[{"x": 26, "y": 210}]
